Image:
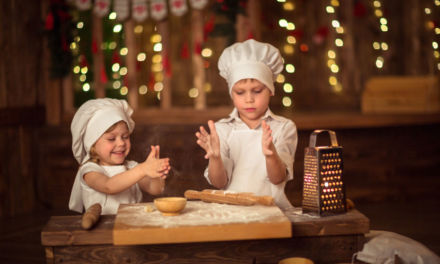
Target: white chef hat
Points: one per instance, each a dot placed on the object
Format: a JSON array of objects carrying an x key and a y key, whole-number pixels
[
  {"x": 251, "y": 59},
  {"x": 92, "y": 119}
]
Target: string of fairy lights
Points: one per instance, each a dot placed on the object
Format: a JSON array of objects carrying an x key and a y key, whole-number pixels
[
  {"x": 331, "y": 9},
  {"x": 288, "y": 49},
  {"x": 380, "y": 46},
  {"x": 434, "y": 27}
]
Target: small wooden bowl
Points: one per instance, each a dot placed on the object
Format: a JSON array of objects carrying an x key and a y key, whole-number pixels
[{"x": 170, "y": 205}]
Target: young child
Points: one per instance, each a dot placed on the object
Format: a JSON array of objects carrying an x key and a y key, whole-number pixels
[
  {"x": 253, "y": 149},
  {"x": 101, "y": 131}
]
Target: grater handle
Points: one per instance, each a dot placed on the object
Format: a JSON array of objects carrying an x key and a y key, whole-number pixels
[{"x": 313, "y": 136}]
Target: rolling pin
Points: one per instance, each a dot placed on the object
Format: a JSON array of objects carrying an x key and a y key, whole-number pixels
[
  {"x": 218, "y": 196},
  {"x": 91, "y": 216}
]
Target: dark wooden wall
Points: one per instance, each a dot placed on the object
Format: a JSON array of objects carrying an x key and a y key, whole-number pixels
[{"x": 380, "y": 163}]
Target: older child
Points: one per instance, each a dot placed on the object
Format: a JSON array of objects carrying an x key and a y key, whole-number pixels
[
  {"x": 253, "y": 149},
  {"x": 101, "y": 131}
]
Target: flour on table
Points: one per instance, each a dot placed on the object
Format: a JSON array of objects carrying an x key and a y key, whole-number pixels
[{"x": 198, "y": 213}]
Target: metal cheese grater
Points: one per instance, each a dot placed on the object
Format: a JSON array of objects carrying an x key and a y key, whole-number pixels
[{"x": 323, "y": 189}]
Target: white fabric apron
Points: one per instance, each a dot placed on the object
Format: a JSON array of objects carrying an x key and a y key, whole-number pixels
[
  {"x": 249, "y": 173},
  {"x": 82, "y": 196}
]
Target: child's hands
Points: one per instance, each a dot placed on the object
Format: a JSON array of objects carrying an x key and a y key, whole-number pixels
[
  {"x": 268, "y": 147},
  {"x": 209, "y": 142},
  {"x": 156, "y": 167}
]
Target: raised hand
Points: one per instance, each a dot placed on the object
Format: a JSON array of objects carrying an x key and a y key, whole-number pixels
[
  {"x": 156, "y": 167},
  {"x": 209, "y": 142},
  {"x": 267, "y": 144}
]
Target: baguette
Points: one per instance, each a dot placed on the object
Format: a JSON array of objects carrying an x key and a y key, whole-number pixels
[{"x": 91, "y": 216}]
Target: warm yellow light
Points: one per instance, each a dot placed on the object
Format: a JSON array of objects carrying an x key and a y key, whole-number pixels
[
  {"x": 287, "y": 102},
  {"x": 334, "y": 68},
  {"x": 332, "y": 80},
  {"x": 290, "y": 26},
  {"x": 334, "y": 2},
  {"x": 84, "y": 70},
  {"x": 143, "y": 89},
  {"x": 76, "y": 69},
  {"x": 207, "y": 87},
  {"x": 378, "y": 13},
  {"x": 156, "y": 67},
  {"x": 206, "y": 52},
  {"x": 331, "y": 54},
  {"x": 339, "y": 42},
  {"x": 288, "y": 49},
  {"x": 384, "y": 28},
  {"x": 436, "y": 54},
  {"x": 193, "y": 92},
  {"x": 376, "y": 4},
  {"x": 157, "y": 58},
  {"x": 384, "y": 46},
  {"x": 158, "y": 76},
  {"x": 434, "y": 45},
  {"x": 288, "y": 88},
  {"x": 82, "y": 78},
  {"x": 335, "y": 23},
  {"x": 124, "y": 90},
  {"x": 437, "y": 31},
  {"x": 330, "y": 63},
  {"x": 383, "y": 21},
  {"x": 329, "y": 9},
  {"x": 157, "y": 47},
  {"x": 115, "y": 67},
  {"x": 123, "y": 51},
  {"x": 340, "y": 30},
  {"x": 141, "y": 56},
  {"x": 117, "y": 28},
  {"x": 282, "y": 22},
  {"x": 158, "y": 86},
  {"x": 116, "y": 85},
  {"x": 376, "y": 45},
  {"x": 112, "y": 45},
  {"x": 73, "y": 46},
  {"x": 379, "y": 62},
  {"x": 289, "y": 6},
  {"x": 337, "y": 88},
  {"x": 123, "y": 71},
  {"x": 80, "y": 25},
  {"x": 138, "y": 29},
  {"x": 290, "y": 68},
  {"x": 281, "y": 1},
  {"x": 86, "y": 87},
  {"x": 427, "y": 10},
  {"x": 291, "y": 40},
  {"x": 112, "y": 16},
  {"x": 280, "y": 78},
  {"x": 437, "y": 2},
  {"x": 156, "y": 38}
]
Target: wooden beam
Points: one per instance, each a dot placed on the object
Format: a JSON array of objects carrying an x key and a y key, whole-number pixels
[
  {"x": 131, "y": 63},
  {"x": 165, "y": 94},
  {"x": 198, "y": 67},
  {"x": 98, "y": 57}
]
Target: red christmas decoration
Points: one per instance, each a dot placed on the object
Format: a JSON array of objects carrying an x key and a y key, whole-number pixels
[
  {"x": 297, "y": 33},
  {"x": 359, "y": 9},
  {"x": 103, "y": 75},
  {"x": 49, "y": 21},
  {"x": 94, "y": 46},
  {"x": 166, "y": 65},
  {"x": 184, "y": 53},
  {"x": 83, "y": 61},
  {"x": 116, "y": 58},
  {"x": 198, "y": 48}
]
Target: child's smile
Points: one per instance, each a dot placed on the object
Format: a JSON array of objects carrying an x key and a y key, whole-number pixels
[{"x": 113, "y": 147}]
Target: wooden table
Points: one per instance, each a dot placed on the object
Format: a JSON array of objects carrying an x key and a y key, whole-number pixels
[{"x": 331, "y": 239}]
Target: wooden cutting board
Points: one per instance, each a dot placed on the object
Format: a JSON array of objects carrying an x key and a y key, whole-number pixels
[{"x": 199, "y": 222}]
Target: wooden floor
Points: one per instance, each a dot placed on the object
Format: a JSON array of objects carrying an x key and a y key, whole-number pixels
[{"x": 416, "y": 217}]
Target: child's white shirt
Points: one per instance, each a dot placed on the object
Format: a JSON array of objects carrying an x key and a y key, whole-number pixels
[
  {"x": 243, "y": 158},
  {"x": 83, "y": 196}
]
